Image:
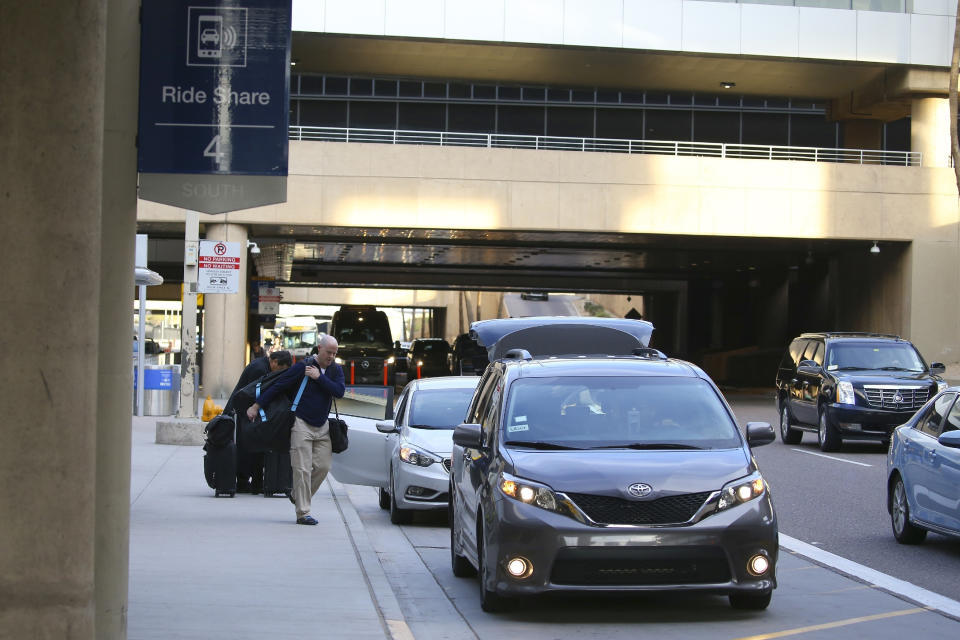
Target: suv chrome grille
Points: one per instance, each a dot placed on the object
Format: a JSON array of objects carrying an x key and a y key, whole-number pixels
[
  {"x": 611, "y": 510},
  {"x": 896, "y": 398},
  {"x": 447, "y": 463}
]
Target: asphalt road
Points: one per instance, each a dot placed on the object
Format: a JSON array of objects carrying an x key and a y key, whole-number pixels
[{"x": 837, "y": 502}]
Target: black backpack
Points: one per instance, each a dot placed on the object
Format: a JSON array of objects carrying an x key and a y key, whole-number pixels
[{"x": 219, "y": 431}]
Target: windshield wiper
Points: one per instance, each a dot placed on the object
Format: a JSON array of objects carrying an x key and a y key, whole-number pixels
[
  {"x": 897, "y": 369},
  {"x": 649, "y": 445},
  {"x": 854, "y": 368},
  {"x": 537, "y": 444}
]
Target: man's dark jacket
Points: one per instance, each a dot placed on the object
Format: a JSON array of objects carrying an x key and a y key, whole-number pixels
[
  {"x": 317, "y": 398},
  {"x": 256, "y": 369}
]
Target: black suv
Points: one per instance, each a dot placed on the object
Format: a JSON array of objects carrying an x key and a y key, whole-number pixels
[{"x": 851, "y": 386}]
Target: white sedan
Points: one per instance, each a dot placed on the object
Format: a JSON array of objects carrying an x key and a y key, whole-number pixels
[{"x": 408, "y": 458}]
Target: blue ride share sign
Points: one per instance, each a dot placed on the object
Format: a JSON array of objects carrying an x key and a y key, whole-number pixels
[{"x": 214, "y": 102}]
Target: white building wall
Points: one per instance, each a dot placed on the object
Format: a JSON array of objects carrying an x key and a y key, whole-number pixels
[{"x": 923, "y": 37}]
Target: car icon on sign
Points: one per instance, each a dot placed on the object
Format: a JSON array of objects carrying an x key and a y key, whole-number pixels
[{"x": 210, "y": 36}]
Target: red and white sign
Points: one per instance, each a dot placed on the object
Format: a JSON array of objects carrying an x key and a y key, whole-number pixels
[
  {"x": 268, "y": 301},
  {"x": 219, "y": 267}
]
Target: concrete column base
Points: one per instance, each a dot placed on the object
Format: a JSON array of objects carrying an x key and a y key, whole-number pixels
[{"x": 180, "y": 431}]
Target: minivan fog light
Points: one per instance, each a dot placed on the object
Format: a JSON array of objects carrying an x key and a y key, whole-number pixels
[
  {"x": 519, "y": 567},
  {"x": 758, "y": 565}
]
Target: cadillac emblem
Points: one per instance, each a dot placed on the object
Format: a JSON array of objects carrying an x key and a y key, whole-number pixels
[{"x": 898, "y": 397}]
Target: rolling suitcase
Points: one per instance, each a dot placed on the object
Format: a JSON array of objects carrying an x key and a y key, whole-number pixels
[
  {"x": 220, "y": 469},
  {"x": 277, "y": 474}
]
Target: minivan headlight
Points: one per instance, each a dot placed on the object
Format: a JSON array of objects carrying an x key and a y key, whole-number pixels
[
  {"x": 741, "y": 491},
  {"x": 415, "y": 456},
  {"x": 532, "y": 493},
  {"x": 845, "y": 393}
]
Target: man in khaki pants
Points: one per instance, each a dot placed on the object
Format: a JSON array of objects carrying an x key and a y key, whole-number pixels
[{"x": 310, "y": 450}]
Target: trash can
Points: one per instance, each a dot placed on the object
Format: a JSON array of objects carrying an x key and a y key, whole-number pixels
[{"x": 161, "y": 389}]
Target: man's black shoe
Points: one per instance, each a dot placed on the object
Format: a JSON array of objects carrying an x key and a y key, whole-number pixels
[{"x": 306, "y": 520}]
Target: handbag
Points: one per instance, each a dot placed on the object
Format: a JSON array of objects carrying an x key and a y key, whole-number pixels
[{"x": 338, "y": 431}]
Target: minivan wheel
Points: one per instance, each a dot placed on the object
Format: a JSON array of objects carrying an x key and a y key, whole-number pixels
[
  {"x": 903, "y": 531},
  {"x": 788, "y": 434},
  {"x": 460, "y": 566},
  {"x": 751, "y": 601},
  {"x": 827, "y": 434},
  {"x": 490, "y": 601}
]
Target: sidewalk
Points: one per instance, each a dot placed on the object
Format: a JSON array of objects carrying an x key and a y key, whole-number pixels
[{"x": 236, "y": 568}]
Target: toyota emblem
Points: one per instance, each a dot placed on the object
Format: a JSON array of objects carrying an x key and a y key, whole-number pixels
[
  {"x": 639, "y": 490},
  {"x": 365, "y": 364}
]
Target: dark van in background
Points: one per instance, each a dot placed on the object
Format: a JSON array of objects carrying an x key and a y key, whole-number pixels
[{"x": 366, "y": 345}]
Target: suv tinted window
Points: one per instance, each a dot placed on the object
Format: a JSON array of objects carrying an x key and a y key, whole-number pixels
[
  {"x": 589, "y": 412},
  {"x": 795, "y": 351},
  {"x": 814, "y": 351},
  {"x": 859, "y": 355},
  {"x": 932, "y": 423}
]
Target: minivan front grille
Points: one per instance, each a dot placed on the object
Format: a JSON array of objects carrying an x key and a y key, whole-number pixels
[
  {"x": 610, "y": 510},
  {"x": 884, "y": 396}
]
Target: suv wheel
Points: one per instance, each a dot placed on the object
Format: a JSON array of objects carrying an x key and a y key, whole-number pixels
[
  {"x": 788, "y": 434},
  {"x": 827, "y": 434},
  {"x": 903, "y": 531}
]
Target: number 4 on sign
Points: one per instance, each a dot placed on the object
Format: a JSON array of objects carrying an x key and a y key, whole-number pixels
[{"x": 213, "y": 150}]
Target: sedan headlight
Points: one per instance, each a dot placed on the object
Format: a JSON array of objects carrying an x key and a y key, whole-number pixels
[
  {"x": 845, "y": 393},
  {"x": 418, "y": 457},
  {"x": 532, "y": 493},
  {"x": 741, "y": 491}
]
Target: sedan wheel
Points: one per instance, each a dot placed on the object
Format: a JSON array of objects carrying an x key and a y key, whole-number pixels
[
  {"x": 827, "y": 434},
  {"x": 788, "y": 434},
  {"x": 903, "y": 531},
  {"x": 397, "y": 515},
  {"x": 384, "y": 496}
]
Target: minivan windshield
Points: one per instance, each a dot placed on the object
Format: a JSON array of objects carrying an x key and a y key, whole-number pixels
[
  {"x": 881, "y": 356},
  {"x": 635, "y": 412}
]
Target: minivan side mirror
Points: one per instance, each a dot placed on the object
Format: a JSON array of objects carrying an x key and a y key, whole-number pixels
[
  {"x": 760, "y": 433},
  {"x": 387, "y": 426},
  {"x": 937, "y": 367},
  {"x": 808, "y": 367},
  {"x": 468, "y": 436}
]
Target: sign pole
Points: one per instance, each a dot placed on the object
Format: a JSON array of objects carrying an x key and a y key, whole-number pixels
[{"x": 188, "y": 319}]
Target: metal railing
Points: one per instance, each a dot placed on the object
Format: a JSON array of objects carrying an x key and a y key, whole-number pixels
[{"x": 609, "y": 145}]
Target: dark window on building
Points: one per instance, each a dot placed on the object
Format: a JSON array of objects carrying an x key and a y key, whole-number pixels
[
  {"x": 538, "y": 94},
  {"x": 812, "y": 131},
  {"x": 668, "y": 125},
  {"x": 361, "y": 87},
  {"x": 801, "y": 104},
  {"x": 728, "y": 100},
  {"x": 608, "y": 96},
  {"x": 681, "y": 98},
  {"x": 335, "y": 86},
  {"x": 558, "y": 95},
  {"x": 484, "y": 92},
  {"x": 716, "y": 126},
  {"x": 386, "y": 88},
  {"x": 656, "y": 97},
  {"x": 435, "y": 89},
  {"x": 311, "y": 85},
  {"x": 373, "y": 115},
  {"x": 520, "y": 120},
  {"x": 460, "y": 91},
  {"x": 777, "y": 103},
  {"x": 478, "y": 118},
  {"x": 765, "y": 128},
  {"x": 704, "y": 100},
  {"x": 583, "y": 95},
  {"x": 631, "y": 97},
  {"x": 753, "y": 102},
  {"x": 508, "y": 93},
  {"x": 897, "y": 135},
  {"x": 410, "y": 89},
  {"x": 325, "y": 113},
  {"x": 570, "y": 122},
  {"x": 422, "y": 117},
  {"x": 622, "y": 124}
]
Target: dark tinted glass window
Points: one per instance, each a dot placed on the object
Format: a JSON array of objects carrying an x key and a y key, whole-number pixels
[
  {"x": 538, "y": 94},
  {"x": 608, "y": 96},
  {"x": 620, "y": 123},
  {"x": 728, "y": 100},
  {"x": 484, "y": 92},
  {"x": 897, "y": 135},
  {"x": 410, "y": 89},
  {"x": 583, "y": 95},
  {"x": 509, "y": 93},
  {"x": 654, "y": 97},
  {"x": 386, "y": 88},
  {"x": 577, "y": 123},
  {"x": 716, "y": 126},
  {"x": 668, "y": 125},
  {"x": 434, "y": 89},
  {"x": 812, "y": 131},
  {"x": 704, "y": 100},
  {"x": 558, "y": 95},
  {"x": 456, "y": 90},
  {"x": 422, "y": 117},
  {"x": 522, "y": 120},
  {"x": 764, "y": 128},
  {"x": 472, "y": 117},
  {"x": 311, "y": 85},
  {"x": 361, "y": 87},
  {"x": 633, "y": 97},
  {"x": 373, "y": 115},
  {"x": 681, "y": 98},
  {"x": 335, "y": 86},
  {"x": 953, "y": 420},
  {"x": 796, "y": 349},
  {"x": 932, "y": 423},
  {"x": 315, "y": 113}
]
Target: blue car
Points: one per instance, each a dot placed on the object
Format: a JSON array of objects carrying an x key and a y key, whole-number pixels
[{"x": 923, "y": 471}]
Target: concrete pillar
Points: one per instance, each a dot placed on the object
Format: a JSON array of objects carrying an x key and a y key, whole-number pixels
[
  {"x": 114, "y": 376},
  {"x": 225, "y": 322},
  {"x": 52, "y": 128},
  {"x": 930, "y": 130}
]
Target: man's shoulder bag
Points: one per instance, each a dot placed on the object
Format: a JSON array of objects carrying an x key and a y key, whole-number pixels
[{"x": 338, "y": 431}]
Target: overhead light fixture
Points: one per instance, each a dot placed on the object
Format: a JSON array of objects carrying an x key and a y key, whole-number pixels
[
  {"x": 254, "y": 249},
  {"x": 293, "y": 62},
  {"x": 728, "y": 85},
  {"x": 874, "y": 248}
]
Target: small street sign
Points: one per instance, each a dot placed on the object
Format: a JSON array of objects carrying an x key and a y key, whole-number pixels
[{"x": 219, "y": 270}]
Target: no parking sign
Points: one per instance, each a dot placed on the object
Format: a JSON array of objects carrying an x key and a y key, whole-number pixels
[{"x": 219, "y": 267}]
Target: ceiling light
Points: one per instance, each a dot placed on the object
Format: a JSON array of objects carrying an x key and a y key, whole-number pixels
[
  {"x": 727, "y": 85},
  {"x": 874, "y": 248}
]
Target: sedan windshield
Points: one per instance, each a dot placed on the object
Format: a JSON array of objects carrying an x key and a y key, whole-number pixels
[
  {"x": 637, "y": 412},
  {"x": 439, "y": 408},
  {"x": 883, "y": 357}
]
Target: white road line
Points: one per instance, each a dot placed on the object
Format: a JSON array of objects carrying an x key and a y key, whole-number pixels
[
  {"x": 890, "y": 584},
  {"x": 820, "y": 455}
]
